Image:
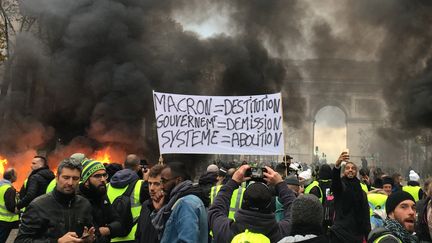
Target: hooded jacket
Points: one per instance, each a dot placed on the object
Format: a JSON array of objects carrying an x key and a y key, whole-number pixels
[
  {"x": 37, "y": 183},
  {"x": 224, "y": 229},
  {"x": 125, "y": 177}
]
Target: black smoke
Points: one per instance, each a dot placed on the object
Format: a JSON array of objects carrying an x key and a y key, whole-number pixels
[{"x": 88, "y": 67}]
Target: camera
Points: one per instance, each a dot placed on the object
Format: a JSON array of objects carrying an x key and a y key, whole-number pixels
[{"x": 256, "y": 173}]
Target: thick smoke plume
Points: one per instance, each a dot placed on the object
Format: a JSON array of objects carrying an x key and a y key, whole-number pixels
[{"x": 89, "y": 67}]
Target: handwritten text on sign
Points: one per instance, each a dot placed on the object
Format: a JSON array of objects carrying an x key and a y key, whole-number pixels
[{"x": 219, "y": 124}]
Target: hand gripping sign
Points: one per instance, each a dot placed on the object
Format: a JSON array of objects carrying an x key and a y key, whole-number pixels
[{"x": 219, "y": 124}]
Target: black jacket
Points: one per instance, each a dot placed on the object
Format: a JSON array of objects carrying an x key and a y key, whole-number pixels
[
  {"x": 37, "y": 183},
  {"x": 52, "y": 215},
  {"x": 422, "y": 229},
  {"x": 103, "y": 214},
  {"x": 352, "y": 222},
  {"x": 224, "y": 229},
  {"x": 146, "y": 233}
]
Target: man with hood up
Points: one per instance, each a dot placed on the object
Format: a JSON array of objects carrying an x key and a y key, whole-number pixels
[
  {"x": 118, "y": 185},
  {"x": 36, "y": 183},
  {"x": 351, "y": 223}
]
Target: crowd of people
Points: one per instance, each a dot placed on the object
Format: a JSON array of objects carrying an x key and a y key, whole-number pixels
[{"x": 88, "y": 201}]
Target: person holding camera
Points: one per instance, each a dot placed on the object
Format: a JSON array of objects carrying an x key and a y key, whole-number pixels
[
  {"x": 351, "y": 223},
  {"x": 255, "y": 220}
]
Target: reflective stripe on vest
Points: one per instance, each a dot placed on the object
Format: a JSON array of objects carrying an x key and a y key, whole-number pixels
[
  {"x": 312, "y": 185},
  {"x": 376, "y": 201},
  {"x": 413, "y": 190},
  {"x": 248, "y": 236},
  {"x": 113, "y": 193},
  {"x": 51, "y": 186},
  {"x": 213, "y": 193},
  {"x": 364, "y": 187},
  {"x": 385, "y": 236},
  {"x": 236, "y": 201},
  {"x": 6, "y": 215}
]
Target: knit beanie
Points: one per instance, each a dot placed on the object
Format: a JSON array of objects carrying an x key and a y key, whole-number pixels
[
  {"x": 307, "y": 210},
  {"x": 395, "y": 198},
  {"x": 257, "y": 197},
  {"x": 78, "y": 157},
  {"x": 413, "y": 176},
  {"x": 387, "y": 180},
  {"x": 89, "y": 168}
]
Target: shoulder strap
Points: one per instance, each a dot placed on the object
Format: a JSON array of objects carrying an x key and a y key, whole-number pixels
[{"x": 130, "y": 188}]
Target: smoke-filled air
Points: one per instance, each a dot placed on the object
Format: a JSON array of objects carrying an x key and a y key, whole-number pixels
[{"x": 81, "y": 78}]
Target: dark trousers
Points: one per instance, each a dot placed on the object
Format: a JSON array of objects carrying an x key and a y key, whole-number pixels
[{"x": 5, "y": 229}]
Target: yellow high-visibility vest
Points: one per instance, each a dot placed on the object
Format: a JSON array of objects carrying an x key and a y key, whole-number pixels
[
  {"x": 413, "y": 190},
  {"x": 51, "y": 186},
  {"x": 312, "y": 185},
  {"x": 213, "y": 193},
  {"x": 376, "y": 201},
  {"x": 113, "y": 193},
  {"x": 6, "y": 215}
]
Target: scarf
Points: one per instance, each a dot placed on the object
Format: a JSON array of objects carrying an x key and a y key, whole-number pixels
[
  {"x": 399, "y": 231},
  {"x": 429, "y": 216},
  {"x": 159, "y": 219}
]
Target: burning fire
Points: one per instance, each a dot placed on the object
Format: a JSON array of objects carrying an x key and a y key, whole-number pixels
[
  {"x": 103, "y": 155},
  {"x": 3, "y": 162}
]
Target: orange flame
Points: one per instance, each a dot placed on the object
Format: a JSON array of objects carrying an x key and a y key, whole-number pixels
[
  {"x": 3, "y": 162},
  {"x": 103, "y": 155}
]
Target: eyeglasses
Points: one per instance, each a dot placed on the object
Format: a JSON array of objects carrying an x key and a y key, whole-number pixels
[
  {"x": 100, "y": 176},
  {"x": 164, "y": 181}
]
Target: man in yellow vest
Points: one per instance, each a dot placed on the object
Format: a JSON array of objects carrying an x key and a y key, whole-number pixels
[
  {"x": 93, "y": 187},
  {"x": 119, "y": 184},
  {"x": 413, "y": 186},
  {"x": 310, "y": 185},
  {"x": 9, "y": 218}
]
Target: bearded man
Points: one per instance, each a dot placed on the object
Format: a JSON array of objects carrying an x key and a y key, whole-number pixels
[
  {"x": 93, "y": 187},
  {"x": 351, "y": 223}
]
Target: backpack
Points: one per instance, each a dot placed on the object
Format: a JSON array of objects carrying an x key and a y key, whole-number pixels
[
  {"x": 328, "y": 202},
  {"x": 250, "y": 237},
  {"x": 122, "y": 205}
]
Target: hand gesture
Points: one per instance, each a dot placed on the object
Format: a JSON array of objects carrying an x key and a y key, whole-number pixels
[
  {"x": 239, "y": 175},
  {"x": 88, "y": 235},
  {"x": 344, "y": 156},
  {"x": 158, "y": 200},
  {"x": 70, "y": 237}
]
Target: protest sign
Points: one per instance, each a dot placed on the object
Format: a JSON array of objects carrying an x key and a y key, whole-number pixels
[{"x": 250, "y": 125}]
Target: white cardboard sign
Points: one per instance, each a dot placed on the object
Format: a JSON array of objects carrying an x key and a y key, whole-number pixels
[{"x": 251, "y": 125}]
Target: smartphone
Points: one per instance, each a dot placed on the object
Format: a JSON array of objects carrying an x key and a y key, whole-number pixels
[{"x": 346, "y": 151}]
